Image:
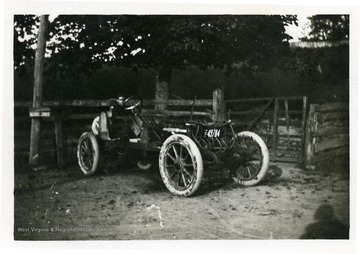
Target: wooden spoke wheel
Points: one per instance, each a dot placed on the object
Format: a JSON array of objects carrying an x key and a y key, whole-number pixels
[
  {"x": 88, "y": 153},
  {"x": 250, "y": 158},
  {"x": 181, "y": 165}
]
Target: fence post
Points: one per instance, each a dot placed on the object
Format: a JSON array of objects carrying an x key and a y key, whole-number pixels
[
  {"x": 37, "y": 91},
  {"x": 308, "y": 136},
  {"x": 287, "y": 119},
  {"x": 59, "y": 142},
  {"x": 161, "y": 93},
  {"x": 275, "y": 126},
  {"x": 219, "y": 105},
  {"x": 303, "y": 131}
]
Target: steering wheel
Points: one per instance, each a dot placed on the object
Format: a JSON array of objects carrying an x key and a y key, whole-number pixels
[{"x": 133, "y": 102}]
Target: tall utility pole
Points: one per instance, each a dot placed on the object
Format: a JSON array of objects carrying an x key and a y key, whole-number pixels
[{"x": 37, "y": 91}]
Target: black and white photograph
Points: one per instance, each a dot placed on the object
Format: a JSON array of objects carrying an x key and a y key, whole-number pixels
[{"x": 168, "y": 123}]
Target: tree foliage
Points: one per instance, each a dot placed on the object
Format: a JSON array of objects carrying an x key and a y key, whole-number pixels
[
  {"x": 84, "y": 43},
  {"x": 24, "y": 25},
  {"x": 328, "y": 28}
]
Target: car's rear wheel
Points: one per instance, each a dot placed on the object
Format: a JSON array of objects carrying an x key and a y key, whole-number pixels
[
  {"x": 88, "y": 153},
  {"x": 249, "y": 159}
]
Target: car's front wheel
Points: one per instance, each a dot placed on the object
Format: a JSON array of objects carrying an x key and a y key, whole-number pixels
[{"x": 181, "y": 165}]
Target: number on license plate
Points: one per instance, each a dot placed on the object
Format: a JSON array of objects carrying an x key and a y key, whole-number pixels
[{"x": 212, "y": 133}]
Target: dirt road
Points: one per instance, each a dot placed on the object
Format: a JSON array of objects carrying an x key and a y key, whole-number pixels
[{"x": 290, "y": 203}]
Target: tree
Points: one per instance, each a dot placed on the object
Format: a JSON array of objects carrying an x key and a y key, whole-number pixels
[
  {"x": 328, "y": 28},
  {"x": 84, "y": 43}
]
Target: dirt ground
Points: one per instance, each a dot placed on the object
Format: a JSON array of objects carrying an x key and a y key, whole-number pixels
[{"x": 127, "y": 204}]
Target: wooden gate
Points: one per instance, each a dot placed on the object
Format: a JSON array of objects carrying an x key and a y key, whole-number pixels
[{"x": 280, "y": 121}]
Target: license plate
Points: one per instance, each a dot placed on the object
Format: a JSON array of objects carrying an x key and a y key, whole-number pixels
[{"x": 212, "y": 133}]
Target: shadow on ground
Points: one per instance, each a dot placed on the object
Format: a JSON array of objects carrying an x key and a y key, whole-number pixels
[
  {"x": 327, "y": 226},
  {"x": 273, "y": 175}
]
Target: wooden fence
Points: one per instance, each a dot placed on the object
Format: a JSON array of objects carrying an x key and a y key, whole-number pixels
[
  {"x": 61, "y": 130},
  {"x": 327, "y": 138},
  {"x": 280, "y": 121}
]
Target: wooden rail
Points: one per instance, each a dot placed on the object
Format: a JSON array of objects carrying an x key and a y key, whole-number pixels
[{"x": 106, "y": 103}]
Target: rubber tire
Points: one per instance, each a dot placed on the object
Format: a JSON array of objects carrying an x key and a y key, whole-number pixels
[
  {"x": 96, "y": 155},
  {"x": 142, "y": 166},
  {"x": 196, "y": 159},
  {"x": 265, "y": 159}
]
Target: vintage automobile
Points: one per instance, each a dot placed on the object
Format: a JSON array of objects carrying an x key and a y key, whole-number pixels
[{"x": 184, "y": 148}]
